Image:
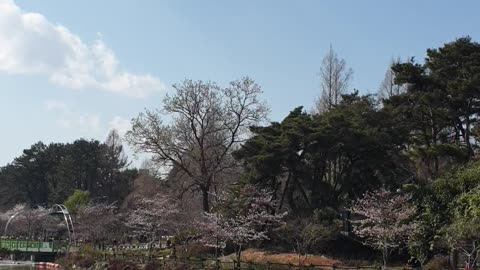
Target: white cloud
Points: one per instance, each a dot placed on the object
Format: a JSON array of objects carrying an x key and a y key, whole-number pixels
[
  {"x": 89, "y": 122},
  {"x": 120, "y": 124},
  {"x": 57, "y": 106},
  {"x": 70, "y": 119},
  {"x": 30, "y": 44},
  {"x": 84, "y": 122}
]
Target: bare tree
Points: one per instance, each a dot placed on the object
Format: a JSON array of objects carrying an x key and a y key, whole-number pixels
[
  {"x": 335, "y": 77},
  {"x": 306, "y": 235},
  {"x": 206, "y": 124},
  {"x": 389, "y": 88},
  {"x": 114, "y": 162}
]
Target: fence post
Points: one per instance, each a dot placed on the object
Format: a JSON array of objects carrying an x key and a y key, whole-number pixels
[{"x": 289, "y": 266}]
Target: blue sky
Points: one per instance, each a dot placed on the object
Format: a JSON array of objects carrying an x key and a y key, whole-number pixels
[{"x": 71, "y": 69}]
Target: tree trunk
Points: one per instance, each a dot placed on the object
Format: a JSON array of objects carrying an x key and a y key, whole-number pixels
[
  {"x": 284, "y": 192},
  {"x": 239, "y": 255},
  {"x": 205, "y": 202},
  {"x": 385, "y": 257},
  {"x": 467, "y": 137}
]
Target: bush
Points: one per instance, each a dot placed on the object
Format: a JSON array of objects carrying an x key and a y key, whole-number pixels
[
  {"x": 78, "y": 199},
  {"x": 437, "y": 263},
  {"x": 85, "y": 262},
  {"x": 89, "y": 251},
  {"x": 75, "y": 260},
  {"x": 67, "y": 261},
  {"x": 122, "y": 265},
  {"x": 152, "y": 266},
  {"x": 173, "y": 266},
  {"x": 195, "y": 250},
  {"x": 4, "y": 252}
]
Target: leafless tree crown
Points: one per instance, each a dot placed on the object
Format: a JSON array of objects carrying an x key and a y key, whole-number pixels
[
  {"x": 335, "y": 77},
  {"x": 205, "y": 123},
  {"x": 388, "y": 87}
]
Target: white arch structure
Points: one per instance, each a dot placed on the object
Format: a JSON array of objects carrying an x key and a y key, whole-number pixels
[
  {"x": 61, "y": 209},
  {"x": 57, "y": 209},
  {"x": 8, "y": 222}
]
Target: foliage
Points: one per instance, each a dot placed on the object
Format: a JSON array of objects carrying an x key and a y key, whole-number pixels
[
  {"x": 77, "y": 200},
  {"x": 421, "y": 137},
  {"x": 385, "y": 220},
  {"x": 437, "y": 204},
  {"x": 440, "y": 106},
  {"x": 465, "y": 228},
  {"x": 48, "y": 174},
  {"x": 323, "y": 161}
]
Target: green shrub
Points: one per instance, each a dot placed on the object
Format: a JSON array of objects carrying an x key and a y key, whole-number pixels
[{"x": 77, "y": 200}]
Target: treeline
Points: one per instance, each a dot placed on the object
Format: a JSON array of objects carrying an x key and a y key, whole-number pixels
[
  {"x": 362, "y": 142},
  {"x": 48, "y": 174},
  {"x": 413, "y": 149},
  {"x": 419, "y": 139}
]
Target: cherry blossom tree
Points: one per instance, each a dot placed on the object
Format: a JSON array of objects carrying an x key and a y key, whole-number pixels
[
  {"x": 385, "y": 220},
  {"x": 152, "y": 216},
  {"x": 95, "y": 222},
  {"x": 242, "y": 216},
  {"x": 28, "y": 222}
]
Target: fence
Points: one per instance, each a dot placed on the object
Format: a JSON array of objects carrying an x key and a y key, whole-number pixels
[
  {"x": 213, "y": 264},
  {"x": 33, "y": 245}
]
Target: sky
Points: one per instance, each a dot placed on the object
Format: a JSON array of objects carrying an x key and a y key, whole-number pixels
[{"x": 77, "y": 69}]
